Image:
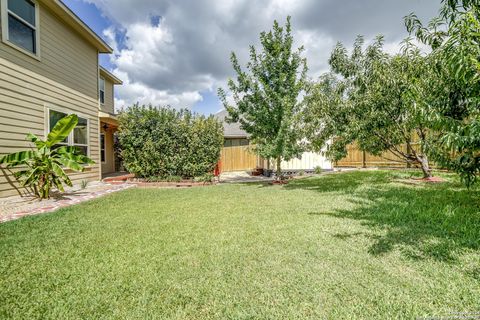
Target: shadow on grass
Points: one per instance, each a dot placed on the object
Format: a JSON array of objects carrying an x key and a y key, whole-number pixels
[
  {"x": 436, "y": 221},
  {"x": 343, "y": 182},
  {"x": 328, "y": 182}
]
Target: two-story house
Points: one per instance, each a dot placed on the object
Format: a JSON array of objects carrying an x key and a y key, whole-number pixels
[{"x": 49, "y": 67}]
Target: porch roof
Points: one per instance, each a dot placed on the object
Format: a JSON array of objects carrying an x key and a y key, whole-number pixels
[{"x": 108, "y": 118}]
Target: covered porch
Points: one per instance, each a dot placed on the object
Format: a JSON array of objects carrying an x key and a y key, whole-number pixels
[{"x": 110, "y": 163}]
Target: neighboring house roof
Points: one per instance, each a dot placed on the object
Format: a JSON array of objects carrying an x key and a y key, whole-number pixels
[
  {"x": 230, "y": 130},
  {"x": 71, "y": 19},
  {"x": 110, "y": 76}
]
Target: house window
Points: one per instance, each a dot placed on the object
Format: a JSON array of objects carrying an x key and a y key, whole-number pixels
[
  {"x": 103, "y": 154},
  {"x": 54, "y": 117},
  {"x": 101, "y": 87},
  {"x": 79, "y": 135},
  {"x": 20, "y": 24}
]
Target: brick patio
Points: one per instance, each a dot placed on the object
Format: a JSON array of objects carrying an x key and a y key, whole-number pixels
[{"x": 14, "y": 208}]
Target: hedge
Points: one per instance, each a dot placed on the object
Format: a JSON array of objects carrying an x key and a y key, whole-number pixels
[{"x": 161, "y": 142}]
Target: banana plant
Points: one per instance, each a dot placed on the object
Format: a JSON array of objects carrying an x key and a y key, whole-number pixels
[{"x": 43, "y": 167}]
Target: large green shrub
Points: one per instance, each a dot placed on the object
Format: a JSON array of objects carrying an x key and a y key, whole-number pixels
[{"x": 166, "y": 142}]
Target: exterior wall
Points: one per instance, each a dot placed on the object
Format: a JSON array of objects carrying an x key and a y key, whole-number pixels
[
  {"x": 64, "y": 77},
  {"x": 108, "y": 106},
  {"x": 109, "y": 165},
  {"x": 65, "y": 57},
  {"x": 24, "y": 97}
]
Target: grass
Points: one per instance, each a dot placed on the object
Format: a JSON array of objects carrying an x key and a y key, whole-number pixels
[{"x": 359, "y": 245}]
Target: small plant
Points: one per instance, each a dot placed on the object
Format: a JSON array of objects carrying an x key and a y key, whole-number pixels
[
  {"x": 206, "y": 178},
  {"x": 301, "y": 173},
  {"x": 43, "y": 168},
  {"x": 318, "y": 170},
  {"x": 83, "y": 184}
]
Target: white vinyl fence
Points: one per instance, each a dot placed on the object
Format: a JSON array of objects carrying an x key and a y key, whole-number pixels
[{"x": 308, "y": 161}]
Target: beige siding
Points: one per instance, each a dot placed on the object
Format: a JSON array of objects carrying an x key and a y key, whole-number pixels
[
  {"x": 65, "y": 57},
  {"x": 108, "y": 105},
  {"x": 23, "y": 97}
]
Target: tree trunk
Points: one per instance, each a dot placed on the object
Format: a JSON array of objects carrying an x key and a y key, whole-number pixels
[
  {"x": 279, "y": 168},
  {"x": 427, "y": 172}
]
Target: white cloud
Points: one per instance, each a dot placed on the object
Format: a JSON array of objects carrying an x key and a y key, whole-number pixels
[
  {"x": 109, "y": 36},
  {"x": 130, "y": 93},
  {"x": 188, "y": 51}
]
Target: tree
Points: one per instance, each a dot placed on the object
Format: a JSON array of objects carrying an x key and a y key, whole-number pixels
[
  {"x": 449, "y": 92},
  {"x": 46, "y": 165},
  {"x": 366, "y": 99},
  {"x": 267, "y": 97}
]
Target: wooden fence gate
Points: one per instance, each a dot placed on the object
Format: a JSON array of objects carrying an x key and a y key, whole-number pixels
[{"x": 238, "y": 158}]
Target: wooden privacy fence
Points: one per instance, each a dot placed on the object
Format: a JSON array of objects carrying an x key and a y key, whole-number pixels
[
  {"x": 358, "y": 158},
  {"x": 237, "y": 158}
]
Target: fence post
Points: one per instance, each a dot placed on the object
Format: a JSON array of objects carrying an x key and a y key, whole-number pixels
[{"x": 364, "y": 159}]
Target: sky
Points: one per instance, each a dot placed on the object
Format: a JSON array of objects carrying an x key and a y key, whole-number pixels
[{"x": 177, "y": 52}]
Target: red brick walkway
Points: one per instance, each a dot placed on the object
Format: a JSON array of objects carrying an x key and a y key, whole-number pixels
[{"x": 49, "y": 206}]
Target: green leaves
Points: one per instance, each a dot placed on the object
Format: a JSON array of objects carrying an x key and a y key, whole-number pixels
[
  {"x": 367, "y": 99},
  {"x": 449, "y": 90},
  {"x": 267, "y": 95},
  {"x": 165, "y": 142},
  {"x": 61, "y": 130},
  {"x": 17, "y": 158},
  {"x": 45, "y": 166},
  {"x": 61, "y": 175},
  {"x": 33, "y": 138}
]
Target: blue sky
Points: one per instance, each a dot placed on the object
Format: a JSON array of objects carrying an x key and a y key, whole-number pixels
[{"x": 177, "y": 52}]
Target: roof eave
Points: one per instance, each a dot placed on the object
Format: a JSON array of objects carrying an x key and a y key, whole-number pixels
[
  {"x": 107, "y": 74},
  {"x": 235, "y": 136}
]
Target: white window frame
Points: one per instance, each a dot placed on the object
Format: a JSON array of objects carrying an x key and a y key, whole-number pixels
[
  {"x": 104, "y": 150},
  {"x": 5, "y": 30},
  {"x": 100, "y": 90},
  {"x": 70, "y": 138}
]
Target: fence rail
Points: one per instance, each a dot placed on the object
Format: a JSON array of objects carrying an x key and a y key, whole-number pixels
[{"x": 358, "y": 158}]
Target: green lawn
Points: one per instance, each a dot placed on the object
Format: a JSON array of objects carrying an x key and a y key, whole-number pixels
[{"x": 359, "y": 245}]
